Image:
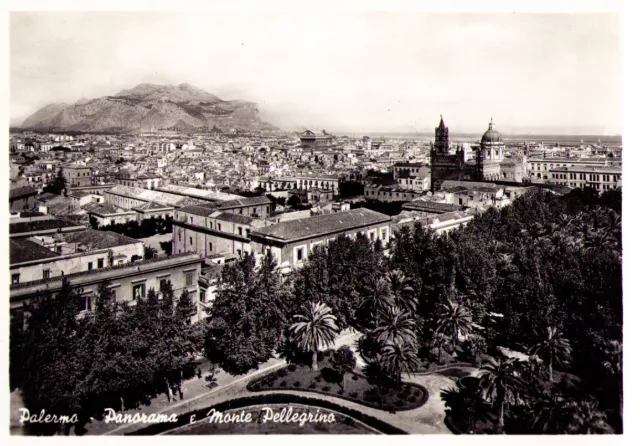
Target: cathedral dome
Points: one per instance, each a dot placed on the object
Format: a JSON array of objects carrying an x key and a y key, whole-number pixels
[{"x": 491, "y": 136}]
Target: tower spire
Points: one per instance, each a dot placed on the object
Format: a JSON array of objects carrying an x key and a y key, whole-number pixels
[{"x": 491, "y": 124}]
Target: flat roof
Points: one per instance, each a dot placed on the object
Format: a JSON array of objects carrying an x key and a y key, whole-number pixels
[{"x": 39, "y": 225}]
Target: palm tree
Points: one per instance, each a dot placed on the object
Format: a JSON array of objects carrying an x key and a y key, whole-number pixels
[
  {"x": 379, "y": 298},
  {"x": 613, "y": 354},
  {"x": 500, "y": 383},
  {"x": 402, "y": 290},
  {"x": 553, "y": 348},
  {"x": 398, "y": 359},
  {"x": 585, "y": 418},
  {"x": 317, "y": 327},
  {"x": 396, "y": 327},
  {"x": 455, "y": 319}
]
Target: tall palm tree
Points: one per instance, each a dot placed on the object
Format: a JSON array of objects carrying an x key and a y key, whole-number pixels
[
  {"x": 500, "y": 383},
  {"x": 317, "y": 328},
  {"x": 396, "y": 327},
  {"x": 398, "y": 359},
  {"x": 402, "y": 290},
  {"x": 553, "y": 348},
  {"x": 455, "y": 319}
]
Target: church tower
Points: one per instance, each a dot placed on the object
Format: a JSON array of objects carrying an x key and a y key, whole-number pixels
[{"x": 441, "y": 145}]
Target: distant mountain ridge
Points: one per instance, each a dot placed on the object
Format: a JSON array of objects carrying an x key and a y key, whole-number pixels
[{"x": 150, "y": 107}]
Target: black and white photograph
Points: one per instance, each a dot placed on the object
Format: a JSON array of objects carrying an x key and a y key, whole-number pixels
[{"x": 315, "y": 221}]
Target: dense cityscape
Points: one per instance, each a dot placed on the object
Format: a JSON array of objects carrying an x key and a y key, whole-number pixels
[{"x": 181, "y": 266}]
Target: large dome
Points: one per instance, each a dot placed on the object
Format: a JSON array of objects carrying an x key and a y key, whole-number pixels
[{"x": 491, "y": 136}]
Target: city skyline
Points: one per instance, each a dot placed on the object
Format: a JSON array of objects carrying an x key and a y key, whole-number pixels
[{"x": 466, "y": 67}]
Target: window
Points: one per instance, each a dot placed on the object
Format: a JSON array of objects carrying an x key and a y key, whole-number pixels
[
  {"x": 90, "y": 266},
  {"x": 46, "y": 273},
  {"x": 15, "y": 278},
  {"x": 190, "y": 240},
  {"x": 210, "y": 225},
  {"x": 191, "y": 220},
  {"x": 163, "y": 283},
  {"x": 88, "y": 302},
  {"x": 189, "y": 278},
  {"x": 179, "y": 236},
  {"x": 203, "y": 296},
  {"x": 299, "y": 254},
  {"x": 239, "y": 231},
  {"x": 372, "y": 236},
  {"x": 239, "y": 252},
  {"x": 219, "y": 227},
  {"x": 139, "y": 291},
  {"x": 383, "y": 234},
  {"x": 100, "y": 263},
  {"x": 247, "y": 232},
  {"x": 210, "y": 246}
]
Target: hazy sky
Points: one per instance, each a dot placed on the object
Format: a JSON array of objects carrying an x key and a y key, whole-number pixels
[{"x": 348, "y": 72}]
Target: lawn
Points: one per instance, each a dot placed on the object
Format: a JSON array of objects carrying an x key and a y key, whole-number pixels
[
  {"x": 341, "y": 425},
  {"x": 326, "y": 381}
]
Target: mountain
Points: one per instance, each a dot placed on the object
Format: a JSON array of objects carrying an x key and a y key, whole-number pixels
[{"x": 149, "y": 107}]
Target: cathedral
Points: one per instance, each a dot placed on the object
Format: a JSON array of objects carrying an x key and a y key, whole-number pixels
[
  {"x": 490, "y": 163},
  {"x": 444, "y": 164}
]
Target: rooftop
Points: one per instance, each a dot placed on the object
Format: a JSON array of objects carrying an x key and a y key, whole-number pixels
[
  {"x": 22, "y": 250},
  {"x": 234, "y": 218},
  {"x": 322, "y": 224},
  {"x": 39, "y": 225},
  {"x": 431, "y": 206},
  {"x": 22, "y": 192},
  {"x": 99, "y": 239}
]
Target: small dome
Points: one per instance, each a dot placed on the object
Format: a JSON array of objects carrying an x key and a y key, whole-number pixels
[{"x": 491, "y": 135}]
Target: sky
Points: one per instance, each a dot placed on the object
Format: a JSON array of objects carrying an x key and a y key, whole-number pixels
[{"x": 343, "y": 72}]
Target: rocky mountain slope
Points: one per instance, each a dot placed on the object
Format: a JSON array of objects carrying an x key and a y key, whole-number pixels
[{"x": 150, "y": 107}]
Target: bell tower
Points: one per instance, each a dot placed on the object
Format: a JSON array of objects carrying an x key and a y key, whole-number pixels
[{"x": 441, "y": 145}]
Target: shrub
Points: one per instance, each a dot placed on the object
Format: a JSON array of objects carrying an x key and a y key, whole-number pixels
[
  {"x": 326, "y": 388},
  {"x": 313, "y": 385},
  {"x": 412, "y": 399},
  {"x": 318, "y": 378},
  {"x": 340, "y": 392},
  {"x": 292, "y": 367},
  {"x": 353, "y": 394},
  {"x": 354, "y": 377},
  {"x": 296, "y": 384},
  {"x": 282, "y": 373},
  {"x": 283, "y": 383}
]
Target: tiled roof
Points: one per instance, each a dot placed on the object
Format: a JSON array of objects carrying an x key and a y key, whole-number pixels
[
  {"x": 99, "y": 239},
  {"x": 26, "y": 250},
  {"x": 322, "y": 224},
  {"x": 38, "y": 225},
  {"x": 234, "y": 218},
  {"x": 202, "y": 211},
  {"x": 106, "y": 209},
  {"x": 22, "y": 192},
  {"x": 431, "y": 206},
  {"x": 152, "y": 206}
]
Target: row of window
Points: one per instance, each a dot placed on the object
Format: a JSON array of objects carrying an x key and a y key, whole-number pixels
[
  {"x": 301, "y": 252},
  {"x": 586, "y": 177}
]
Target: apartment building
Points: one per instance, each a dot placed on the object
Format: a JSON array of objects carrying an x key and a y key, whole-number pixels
[
  {"x": 291, "y": 242},
  {"x": 219, "y": 228},
  {"x": 127, "y": 281},
  {"x": 599, "y": 178}
]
